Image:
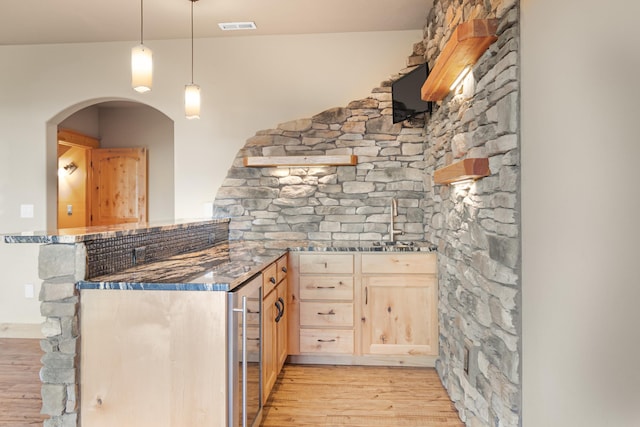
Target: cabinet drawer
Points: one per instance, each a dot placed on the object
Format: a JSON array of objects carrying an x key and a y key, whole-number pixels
[
  {"x": 326, "y": 341},
  {"x": 326, "y": 263},
  {"x": 334, "y": 314},
  {"x": 404, "y": 263},
  {"x": 326, "y": 287},
  {"x": 269, "y": 279},
  {"x": 281, "y": 268}
]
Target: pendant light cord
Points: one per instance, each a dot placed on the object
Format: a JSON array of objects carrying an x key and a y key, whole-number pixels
[
  {"x": 192, "y": 1},
  {"x": 141, "y": 21}
]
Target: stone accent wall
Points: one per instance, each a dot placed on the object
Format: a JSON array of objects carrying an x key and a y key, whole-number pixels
[
  {"x": 60, "y": 267},
  {"x": 332, "y": 206},
  {"x": 477, "y": 227}
]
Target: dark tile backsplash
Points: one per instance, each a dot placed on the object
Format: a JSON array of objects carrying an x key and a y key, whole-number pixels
[{"x": 108, "y": 255}]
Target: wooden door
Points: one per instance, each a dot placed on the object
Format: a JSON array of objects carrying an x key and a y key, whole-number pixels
[
  {"x": 118, "y": 186},
  {"x": 399, "y": 315}
]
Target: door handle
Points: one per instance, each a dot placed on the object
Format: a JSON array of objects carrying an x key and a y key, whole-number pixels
[
  {"x": 282, "y": 306},
  {"x": 279, "y": 308},
  {"x": 366, "y": 295}
]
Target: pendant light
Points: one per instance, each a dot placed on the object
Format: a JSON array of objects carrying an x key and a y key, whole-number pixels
[
  {"x": 141, "y": 62},
  {"x": 192, "y": 91}
]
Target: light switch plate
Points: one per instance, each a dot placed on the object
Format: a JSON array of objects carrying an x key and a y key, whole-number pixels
[
  {"x": 29, "y": 291},
  {"x": 26, "y": 211}
]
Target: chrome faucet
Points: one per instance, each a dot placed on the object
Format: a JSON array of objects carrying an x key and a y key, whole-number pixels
[{"x": 394, "y": 213}]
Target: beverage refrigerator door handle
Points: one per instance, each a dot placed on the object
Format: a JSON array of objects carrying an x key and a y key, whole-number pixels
[{"x": 244, "y": 361}]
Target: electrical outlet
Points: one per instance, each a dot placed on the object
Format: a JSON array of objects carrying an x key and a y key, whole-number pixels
[
  {"x": 29, "y": 291},
  {"x": 139, "y": 255}
]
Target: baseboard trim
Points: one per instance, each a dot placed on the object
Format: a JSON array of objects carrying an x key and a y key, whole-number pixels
[
  {"x": 369, "y": 360},
  {"x": 21, "y": 330}
]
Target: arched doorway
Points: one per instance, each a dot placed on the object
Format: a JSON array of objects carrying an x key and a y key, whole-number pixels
[{"x": 117, "y": 123}]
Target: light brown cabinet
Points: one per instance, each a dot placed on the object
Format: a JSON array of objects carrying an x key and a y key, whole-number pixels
[
  {"x": 274, "y": 323},
  {"x": 326, "y": 303},
  {"x": 364, "y": 308}
]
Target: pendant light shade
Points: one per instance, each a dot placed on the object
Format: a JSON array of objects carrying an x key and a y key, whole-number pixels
[
  {"x": 141, "y": 68},
  {"x": 192, "y": 101},
  {"x": 141, "y": 62},
  {"x": 192, "y": 91}
]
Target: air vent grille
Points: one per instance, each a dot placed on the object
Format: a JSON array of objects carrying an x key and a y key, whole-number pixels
[{"x": 233, "y": 26}]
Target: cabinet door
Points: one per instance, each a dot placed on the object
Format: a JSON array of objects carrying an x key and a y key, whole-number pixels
[
  {"x": 282, "y": 327},
  {"x": 269, "y": 340},
  {"x": 399, "y": 315}
]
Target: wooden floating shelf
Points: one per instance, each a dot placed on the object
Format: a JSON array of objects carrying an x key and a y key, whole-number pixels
[
  {"x": 466, "y": 45},
  {"x": 290, "y": 161},
  {"x": 466, "y": 169}
]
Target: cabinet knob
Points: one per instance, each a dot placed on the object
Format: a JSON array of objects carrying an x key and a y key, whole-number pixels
[
  {"x": 284, "y": 269},
  {"x": 272, "y": 279}
]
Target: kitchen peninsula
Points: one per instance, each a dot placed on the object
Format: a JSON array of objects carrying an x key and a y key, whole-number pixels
[{"x": 153, "y": 356}]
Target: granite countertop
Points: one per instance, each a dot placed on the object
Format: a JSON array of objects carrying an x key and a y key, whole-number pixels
[{"x": 222, "y": 267}]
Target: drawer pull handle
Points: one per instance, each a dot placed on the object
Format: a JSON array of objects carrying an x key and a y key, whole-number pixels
[
  {"x": 325, "y": 287},
  {"x": 328, "y": 313},
  {"x": 284, "y": 269},
  {"x": 331, "y": 340},
  {"x": 272, "y": 280},
  {"x": 325, "y": 265}
]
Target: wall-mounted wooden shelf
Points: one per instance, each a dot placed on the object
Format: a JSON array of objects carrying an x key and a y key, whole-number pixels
[
  {"x": 308, "y": 161},
  {"x": 466, "y": 45},
  {"x": 462, "y": 170}
]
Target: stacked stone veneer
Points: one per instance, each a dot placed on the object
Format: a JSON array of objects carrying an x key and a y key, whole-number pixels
[
  {"x": 61, "y": 266},
  {"x": 476, "y": 228},
  {"x": 331, "y": 206}
]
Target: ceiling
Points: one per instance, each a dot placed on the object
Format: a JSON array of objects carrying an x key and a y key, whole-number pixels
[{"x": 80, "y": 21}]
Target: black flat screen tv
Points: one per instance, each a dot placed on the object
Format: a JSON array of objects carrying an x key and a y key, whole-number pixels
[{"x": 405, "y": 94}]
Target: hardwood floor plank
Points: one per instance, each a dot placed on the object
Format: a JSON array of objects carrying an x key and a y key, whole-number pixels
[
  {"x": 304, "y": 395},
  {"x": 20, "y": 400},
  {"x": 358, "y": 396}
]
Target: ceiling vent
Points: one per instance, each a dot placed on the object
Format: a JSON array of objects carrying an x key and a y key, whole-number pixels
[{"x": 232, "y": 26}]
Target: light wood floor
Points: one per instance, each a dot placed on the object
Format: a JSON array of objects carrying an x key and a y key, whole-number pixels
[
  {"x": 308, "y": 395},
  {"x": 304, "y": 395},
  {"x": 20, "y": 400}
]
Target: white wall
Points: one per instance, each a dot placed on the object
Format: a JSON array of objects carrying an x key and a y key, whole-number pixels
[
  {"x": 248, "y": 84},
  {"x": 580, "y": 200}
]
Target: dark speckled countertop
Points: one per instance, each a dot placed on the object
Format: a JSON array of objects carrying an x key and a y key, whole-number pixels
[{"x": 221, "y": 268}]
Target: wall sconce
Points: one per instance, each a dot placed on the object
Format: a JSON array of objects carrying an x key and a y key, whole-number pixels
[
  {"x": 141, "y": 63},
  {"x": 70, "y": 168},
  {"x": 467, "y": 169},
  {"x": 465, "y": 46}
]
